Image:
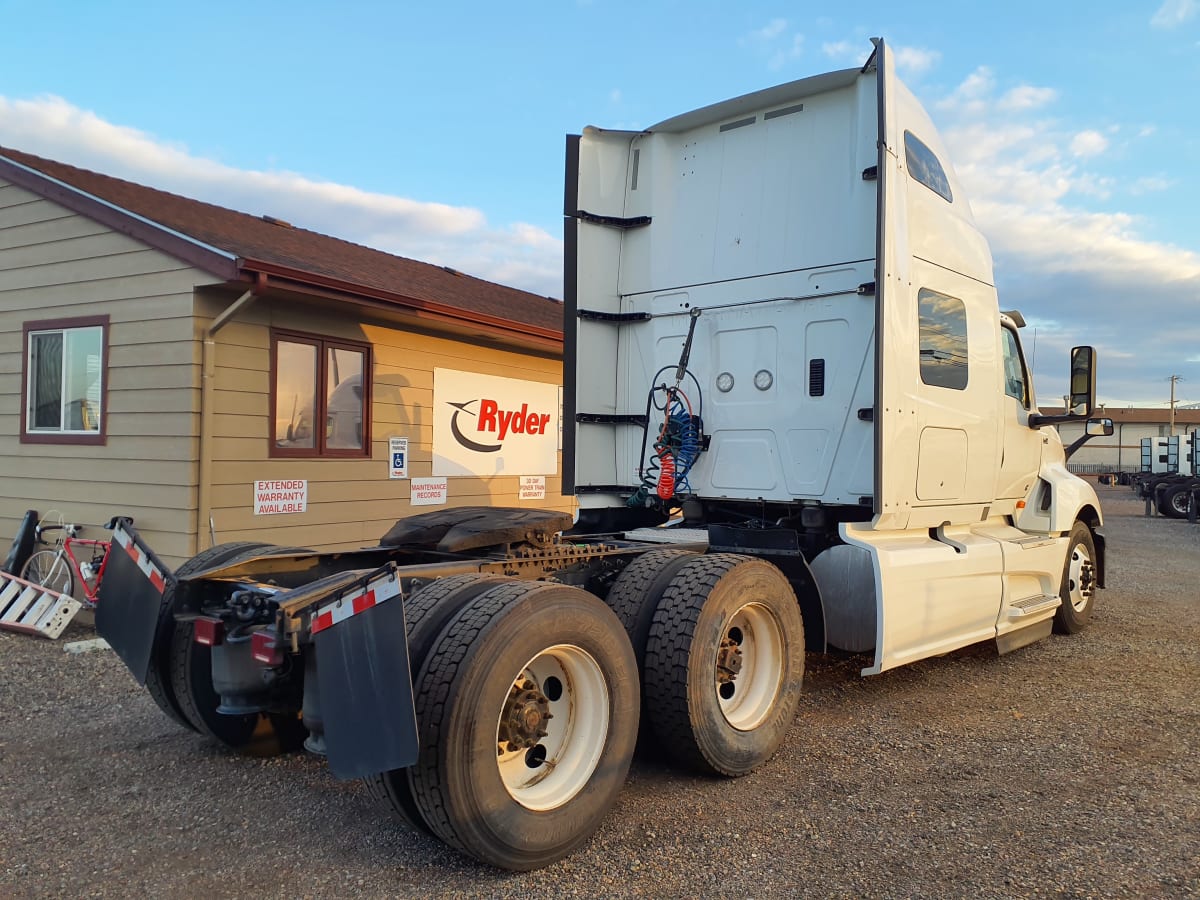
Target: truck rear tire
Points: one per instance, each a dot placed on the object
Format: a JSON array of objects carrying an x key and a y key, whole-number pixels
[
  {"x": 425, "y": 616},
  {"x": 637, "y": 591},
  {"x": 256, "y": 734},
  {"x": 724, "y": 664},
  {"x": 527, "y": 711},
  {"x": 1173, "y": 502},
  {"x": 158, "y": 677},
  {"x": 1078, "y": 589}
]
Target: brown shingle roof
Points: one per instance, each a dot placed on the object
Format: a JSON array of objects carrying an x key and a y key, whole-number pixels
[{"x": 301, "y": 256}]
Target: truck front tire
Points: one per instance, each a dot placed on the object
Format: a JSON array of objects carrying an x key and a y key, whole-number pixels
[
  {"x": 527, "y": 711},
  {"x": 724, "y": 664},
  {"x": 1078, "y": 589}
]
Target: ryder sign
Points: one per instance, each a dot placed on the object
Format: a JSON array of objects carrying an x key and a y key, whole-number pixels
[{"x": 484, "y": 425}]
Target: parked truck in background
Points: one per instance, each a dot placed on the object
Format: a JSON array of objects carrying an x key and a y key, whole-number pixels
[
  {"x": 796, "y": 418},
  {"x": 1169, "y": 476}
]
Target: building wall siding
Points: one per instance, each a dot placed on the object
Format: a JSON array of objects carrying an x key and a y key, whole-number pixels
[
  {"x": 56, "y": 264},
  {"x": 351, "y": 502}
]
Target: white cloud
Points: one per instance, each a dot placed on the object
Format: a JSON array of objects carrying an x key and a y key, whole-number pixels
[
  {"x": 915, "y": 60},
  {"x": 1089, "y": 143},
  {"x": 776, "y": 43},
  {"x": 1027, "y": 97},
  {"x": 1149, "y": 184},
  {"x": 786, "y": 54},
  {"x": 771, "y": 30},
  {"x": 973, "y": 96},
  {"x": 1174, "y": 13},
  {"x": 461, "y": 237},
  {"x": 1080, "y": 275},
  {"x": 909, "y": 60}
]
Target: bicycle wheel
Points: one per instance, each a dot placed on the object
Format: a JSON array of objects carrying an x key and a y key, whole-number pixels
[{"x": 50, "y": 569}]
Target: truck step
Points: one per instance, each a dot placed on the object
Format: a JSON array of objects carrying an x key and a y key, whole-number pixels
[
  {"x": 33, "y": 609},
  {"x": 1032, "y": 605}
]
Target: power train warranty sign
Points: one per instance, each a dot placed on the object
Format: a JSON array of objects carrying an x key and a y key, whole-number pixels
[{"x": 484, "y": 425}]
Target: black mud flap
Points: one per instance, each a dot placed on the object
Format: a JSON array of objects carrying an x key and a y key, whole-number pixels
[
  {"x": 131, "y": 599},
  {"x": 364, "y": 682}
]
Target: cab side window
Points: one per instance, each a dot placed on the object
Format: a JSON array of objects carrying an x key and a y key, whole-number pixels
[{"x": 1015, "y": 383}]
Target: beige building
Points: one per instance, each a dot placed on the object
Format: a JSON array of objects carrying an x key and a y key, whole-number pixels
[
  {"x": 1122, "y": 452},
  {"x": 161, "y": 357}
]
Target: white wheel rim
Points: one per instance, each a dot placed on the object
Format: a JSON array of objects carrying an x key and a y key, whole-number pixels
[
  {"x": 748, "y": 695},
  {"x": 572, "y": 688},
  {"x": 1081, "y": 577}
]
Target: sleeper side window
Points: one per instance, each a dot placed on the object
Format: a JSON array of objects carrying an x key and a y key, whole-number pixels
[{"x": 943, "y": 337}]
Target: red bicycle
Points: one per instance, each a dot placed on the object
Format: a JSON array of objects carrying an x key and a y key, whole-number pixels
[{"x": 69, "y": 557}]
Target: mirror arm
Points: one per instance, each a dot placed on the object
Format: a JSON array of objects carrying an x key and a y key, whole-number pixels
[{"x": 1038, "y": 420}]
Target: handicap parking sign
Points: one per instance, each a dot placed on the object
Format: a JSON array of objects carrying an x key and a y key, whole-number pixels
[{"x": 398, "y": 451}]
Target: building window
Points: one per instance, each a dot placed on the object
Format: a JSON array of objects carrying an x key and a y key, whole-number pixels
[
  {"x": 924, "y": 166},
  {"x": 63, "y": 373},
  {"x": 321, "y": 396},
  {"x": 943, "y": 322}
]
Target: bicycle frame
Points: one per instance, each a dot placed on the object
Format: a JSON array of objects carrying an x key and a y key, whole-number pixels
[{"x": 90, "y": 593}]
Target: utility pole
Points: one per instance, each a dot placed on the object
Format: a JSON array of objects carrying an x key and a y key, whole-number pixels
[{"x": 1173, "y": 379}]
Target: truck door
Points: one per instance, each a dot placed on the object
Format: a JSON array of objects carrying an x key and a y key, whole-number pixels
[{"x": 1020, "y": 445}]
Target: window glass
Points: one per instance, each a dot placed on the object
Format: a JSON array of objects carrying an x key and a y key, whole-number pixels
[
  {"x": 1014, "y": 372},
  {"x": 65, "y": 380},
  {"x": 46, "y": 353},
  {"x": 924, "y": 166},
  {"x": 344, "y": 399},
  {"x": 943, "y": 326},
  {"x": 295, "y": 394},
  {"x": 321, "y": 397}
]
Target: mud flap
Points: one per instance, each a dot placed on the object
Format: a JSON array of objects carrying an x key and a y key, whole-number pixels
[
  {"x": 131, "y": 599},
  {"x": 364, "y": 682}
]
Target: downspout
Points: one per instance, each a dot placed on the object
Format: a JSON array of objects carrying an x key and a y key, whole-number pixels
[{"x": 208, "y": 370}]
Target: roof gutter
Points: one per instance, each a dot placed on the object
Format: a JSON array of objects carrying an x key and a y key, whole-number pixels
[{"x": 335, "y": 288}]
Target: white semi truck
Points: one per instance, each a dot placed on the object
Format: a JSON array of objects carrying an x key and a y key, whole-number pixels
[{"x": 796, "y": 417}]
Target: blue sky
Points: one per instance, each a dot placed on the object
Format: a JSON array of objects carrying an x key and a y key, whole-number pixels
[{"x": 436, "y": 131}]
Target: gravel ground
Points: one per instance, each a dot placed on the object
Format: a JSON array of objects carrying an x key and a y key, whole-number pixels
[{"x": 1069, "y": 767}]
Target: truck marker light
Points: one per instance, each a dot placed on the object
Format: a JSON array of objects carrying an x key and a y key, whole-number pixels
[
  {"x": 1020, "y": 504},
  {"x": 378, "y": 591},
  {"x": 141, "y": 558},
  {"x": 265, "y": 650},
  {"x": 209, "y": 631}
]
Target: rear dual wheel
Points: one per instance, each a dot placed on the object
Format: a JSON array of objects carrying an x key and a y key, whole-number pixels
[
  {"x": 1173, "y": 502},
  {"x": 527, "y": 707},
  {"x": 188, "y": 686},
  {"x": 426, "y": 613},
  {"x": 724, "y": 663}
]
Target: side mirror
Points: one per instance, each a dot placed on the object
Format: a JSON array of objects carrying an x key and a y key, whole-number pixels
[
  {"x": 1082, "y": 399},
  {"x": 1083, "y": 381},
  {"x": 1093, "y": 428}
]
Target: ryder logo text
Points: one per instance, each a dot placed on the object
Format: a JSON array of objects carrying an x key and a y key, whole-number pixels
[{"x": 491, "y": 421}]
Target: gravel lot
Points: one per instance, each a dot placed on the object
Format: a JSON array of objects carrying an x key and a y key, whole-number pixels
[{"x": 1069, "y": 767}]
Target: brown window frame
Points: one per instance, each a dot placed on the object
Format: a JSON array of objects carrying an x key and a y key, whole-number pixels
[
  {"x": 322, "y": 344},
  {"x": 94, "y": 439}
]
